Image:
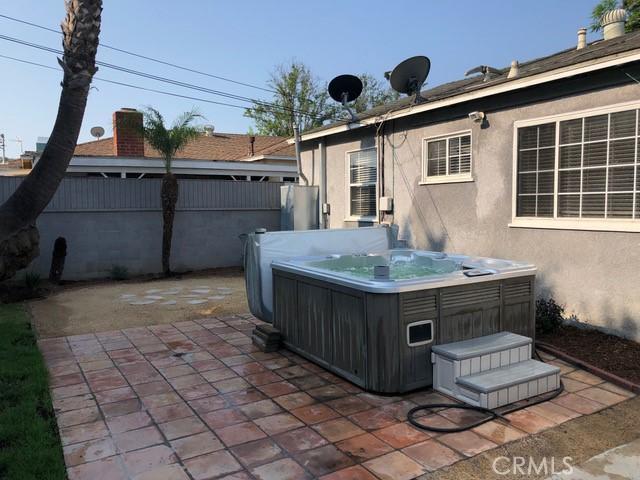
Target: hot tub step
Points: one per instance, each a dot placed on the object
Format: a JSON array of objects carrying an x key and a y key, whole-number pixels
[{"x": 505, "y": 385}]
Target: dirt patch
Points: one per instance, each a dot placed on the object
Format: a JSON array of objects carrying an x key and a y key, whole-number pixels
[
  {"x": 99, "y": 307},
  {"x": 607, "y": 352},
  {"x": 576, "y": 439}
]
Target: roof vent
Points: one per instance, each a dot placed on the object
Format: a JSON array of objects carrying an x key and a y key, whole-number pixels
[
  {"x": 582, "y": 39},
  {"x": 486, "y": 70},
  {"x": 208, "y": 130},
  {"x": 613, "y": 23},
  {"x": 514, "y": 71}
]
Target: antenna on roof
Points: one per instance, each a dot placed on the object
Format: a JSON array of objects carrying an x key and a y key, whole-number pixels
[
  {"x": 409, "y": 76},
  {"x": 97, "y": 132},
  {"x": 344, "y": 89},
  {"x": 486, "y": 70}
]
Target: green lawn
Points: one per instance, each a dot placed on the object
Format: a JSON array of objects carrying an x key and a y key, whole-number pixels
[{"x": 29, "y": 443}]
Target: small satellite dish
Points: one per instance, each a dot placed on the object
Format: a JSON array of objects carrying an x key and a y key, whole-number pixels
[
  {"x": 208, "y": 130},
  {"x": 97, "y": 132},
  {"x": 409, "y": 76},
  {"x": 344, "y": 89}
]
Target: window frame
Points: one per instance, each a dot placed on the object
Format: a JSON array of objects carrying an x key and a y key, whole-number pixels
[
  {"x": 569, "y": 223},
  {"x": 426, "y": 179},
  {"x": 348, "y": 185}
]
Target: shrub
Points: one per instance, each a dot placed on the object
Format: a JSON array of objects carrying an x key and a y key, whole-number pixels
[
  {"x": 32, "y": 280},
  {"x": 549, "y": 315},
  {"x": 119, "y": 272}
]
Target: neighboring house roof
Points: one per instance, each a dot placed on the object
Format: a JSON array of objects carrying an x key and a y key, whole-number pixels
[
  {"x": 217, "y": 147},
  {"x": 562, "y": 60}
]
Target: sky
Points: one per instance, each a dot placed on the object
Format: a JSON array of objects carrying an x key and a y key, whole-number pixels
[{"x": 245, "y": 40}]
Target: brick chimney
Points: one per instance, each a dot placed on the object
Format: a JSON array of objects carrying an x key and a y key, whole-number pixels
[{"x": 127, "y": 139}]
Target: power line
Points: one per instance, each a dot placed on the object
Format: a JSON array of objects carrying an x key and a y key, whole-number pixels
[
  {"x": 241, "y": 98},
  {"x": 145, "y": 57}
]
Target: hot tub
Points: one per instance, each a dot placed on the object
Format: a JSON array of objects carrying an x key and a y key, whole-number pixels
[{"x": 372, "y": 318}]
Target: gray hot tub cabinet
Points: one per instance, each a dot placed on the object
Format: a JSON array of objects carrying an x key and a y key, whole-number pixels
[{"x": 365, "y": 337}]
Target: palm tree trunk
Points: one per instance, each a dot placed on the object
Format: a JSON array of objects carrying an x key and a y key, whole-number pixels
[
  {"x": 169, "y": 195},
  {"x": 18, "y": 234}
]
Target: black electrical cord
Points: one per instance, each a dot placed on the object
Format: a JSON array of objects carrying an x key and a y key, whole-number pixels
[{"x": 491, "y": 414}]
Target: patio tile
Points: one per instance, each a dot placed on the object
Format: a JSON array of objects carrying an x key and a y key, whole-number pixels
[
  {"x": 554, "y": 412},
  {"x": 338, "y": 429},
  {"x": 148, "y": 459},
  {"x": 69, "y": 391},
  {"x": 277, "y": 363},
  {"x": 132, "y": 421},
  {"x": 84, "y": 432},
  {"x": 197, "y": 391},
  {"x": 218, "y": 374},
  {"x": 398, "y": 410},
  {"x": 432, "y": 454},
  {"x": 136, "y": 439},
  {"x": 378, "y": 400},
  {"x": 240, "y": 433},
  {"x": 323, "y": 460},
  {"x": 104, "y": 469},
  {"x": 584, "y": 377},
  {"x": 242, "y": 397},
  {"x": 293, "y": 372},
  {"x": 499, "y": 433},
  {"x": 571, "y": 385},
  {"x": 349, "y": 405},
  {"x": 152, "y": 388},
  {"x": 223, "y": 418},
  {"x": 88, "y": 451},
  {"x": 208, "y": 404},
  {"x": 263, "y": 408},
  {"x": 258, "y": 452},
  {"x": 123, "y": 407},
  {"x": 248, "y": 368},
  {"x": 363, "y": 447},
  {"x": 177, "y": 371},
  {"x": 231, "y": 385},
  {"x": 263, "y": 378},
  {"x": 65, "y": 380},
  {"x": 529, "y": 421},
  {"x": 76, "y": 417},
  {"x": 327, "y": 392},
  {"x": 195, "y": 445},
  {"x": 278, "y": 423},
  {"x": 355, "y": 472},
  {"x": 168, "y": 413},
  {"x": 187, "y": 381},
  {"x": 235, "y": 360},
  {"x": 299, "y": 440},
  {"x": 161, "y": 400},
  {"x": 116, "y": 395},
  {"x": 467, "y": 442},
  {"x": 316, "y": 413},
  {"x": 373, "y": 419},
  {"x": 107, "y": 379},
  {"x": 437, "y": 421},
  {"x": 401, "y": 435},
  {"x": 461, "y": 417},
  {"x": 578, "y": 403},
  {"x": 73, "y": 403},
  {"x": 284, "y": 469},
  {"x": 277, "y": 389},
  {"x": 294, "y": 400},
  {"x": 167, "y": 472},
  {"x": 616, "y": 389},
  {"x": 602, "y": 396},
  {"x": 308, "y": 382},
  {"x": 394, "y": 466},
  {"x": 563, "y": 366},
  {"x": 206, "y": 365},
  {"x": 182, "y": 427}
]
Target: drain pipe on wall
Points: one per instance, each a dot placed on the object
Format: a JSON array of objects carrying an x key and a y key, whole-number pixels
[
  {"x": 322, "y": 194},
  {"x": 296, "y": 135}
]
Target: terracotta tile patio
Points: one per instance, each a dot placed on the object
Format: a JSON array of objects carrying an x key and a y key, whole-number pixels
[{"x": 196, "y": 400}]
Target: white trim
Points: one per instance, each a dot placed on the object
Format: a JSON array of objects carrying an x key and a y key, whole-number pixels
[
  {"x": 506, "y": 86},
  {"x": 426, "y": 179},
  {"x": 424, "y": 342},
  {"x": 569, "y": 223},
  {"x": 347, "y": 163}
]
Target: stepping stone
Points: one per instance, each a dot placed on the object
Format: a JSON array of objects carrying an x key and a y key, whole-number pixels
[
  {"x": 217, "y": 297},
  {"x": 169, "y": 302},
  {"x": 201, "y": 291},
  {"x": 224, "y": 290},
  {"x": 198, "y": 301},
  {"x": 153, "y": 297},
  {"x": 142, "y": 302}
]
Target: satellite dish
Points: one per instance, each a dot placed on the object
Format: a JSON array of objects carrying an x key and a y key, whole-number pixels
[
  {"x": 344, "y": 89},
  {"x": 97, "y": 132},
  {"x": 409, "y": 76}
]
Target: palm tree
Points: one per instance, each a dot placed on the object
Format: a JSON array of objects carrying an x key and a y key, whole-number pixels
[
  {"x": 19, "y": 238},
  {"x": 168, "y": 142}
]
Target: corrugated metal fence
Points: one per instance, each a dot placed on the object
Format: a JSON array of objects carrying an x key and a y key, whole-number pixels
[{"x": 117, "y": 221}]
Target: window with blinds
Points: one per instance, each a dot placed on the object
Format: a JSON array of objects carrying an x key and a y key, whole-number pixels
[
  {"x": 593, "y": 172},
  {"x": 363, "y": 173},
  {"x": 447, "y": 158}
]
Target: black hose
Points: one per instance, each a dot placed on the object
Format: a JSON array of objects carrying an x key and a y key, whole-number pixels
[{"x": 492, "y": 414}]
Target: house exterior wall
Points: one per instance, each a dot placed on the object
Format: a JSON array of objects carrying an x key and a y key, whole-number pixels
[
  {"x": 595, "y": 274},
  {"x": 112, "y": 221}
]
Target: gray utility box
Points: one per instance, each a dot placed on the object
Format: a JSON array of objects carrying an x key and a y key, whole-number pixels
[
  {"x": 298, "y": 207},
  {"x": 382, "y": 341}
]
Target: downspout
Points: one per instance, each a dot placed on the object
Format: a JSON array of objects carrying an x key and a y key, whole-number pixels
[
  {"x": 296, "y": 135},
  {"x": 322, "y": 200}
]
